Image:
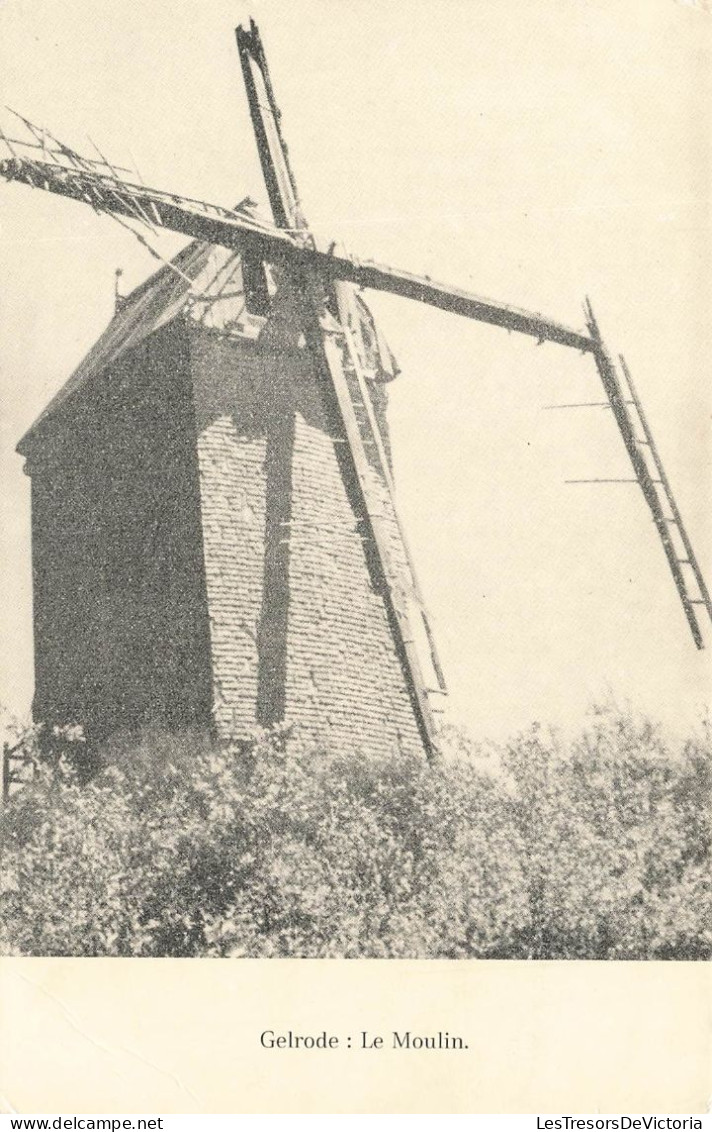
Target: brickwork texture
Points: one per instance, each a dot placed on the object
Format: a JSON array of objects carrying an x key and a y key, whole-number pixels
[{"x": 201, "y": 553}]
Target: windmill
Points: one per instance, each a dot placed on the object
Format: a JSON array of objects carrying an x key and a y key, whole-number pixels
[{"x": 312, "y": 302}]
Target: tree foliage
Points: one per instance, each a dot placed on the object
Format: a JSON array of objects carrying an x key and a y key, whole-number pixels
[{"x": 595, "y": 848}]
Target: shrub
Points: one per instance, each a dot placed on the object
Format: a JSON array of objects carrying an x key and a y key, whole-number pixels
[
  {"x": 616, "y": 834},
  {"x": 279, "y": 847}
]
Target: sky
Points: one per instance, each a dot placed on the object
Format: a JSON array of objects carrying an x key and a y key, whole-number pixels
[{"x": 531, "y": 151}]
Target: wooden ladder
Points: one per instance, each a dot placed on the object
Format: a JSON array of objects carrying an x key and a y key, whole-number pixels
[
  {"x": 654, "y": 483},
  {"x": 350, "y": 319},
  {"x": 336, "y": 352}
]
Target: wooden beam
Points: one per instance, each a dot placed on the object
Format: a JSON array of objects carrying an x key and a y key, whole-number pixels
[
  {"x": 266, "y": 122},
  {"x": 215, "y": 225}
]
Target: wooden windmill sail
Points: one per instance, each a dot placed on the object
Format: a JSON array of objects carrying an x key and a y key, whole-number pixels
[{"x": 312, "y": 298}]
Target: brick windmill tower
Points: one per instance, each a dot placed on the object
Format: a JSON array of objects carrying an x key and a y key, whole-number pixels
[
  {"x": 215, "y": 542},
  {"x": 215, "y": 538}
]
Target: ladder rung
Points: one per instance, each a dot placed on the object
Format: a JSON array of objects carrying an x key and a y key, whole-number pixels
[
  {"x": 622, "y": 393},
  {"x": 581, "y": 405}
]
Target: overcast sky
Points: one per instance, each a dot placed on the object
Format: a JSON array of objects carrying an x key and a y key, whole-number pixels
[{"x": 532, "y": 151}]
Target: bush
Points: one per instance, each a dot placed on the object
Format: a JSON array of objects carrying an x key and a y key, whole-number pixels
[
  {"x": 616, "y": 836},
  {"x": 595, "y": 849}
]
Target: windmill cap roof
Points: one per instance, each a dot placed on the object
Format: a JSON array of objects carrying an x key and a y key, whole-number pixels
[{"x": 203, "y": 280}]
